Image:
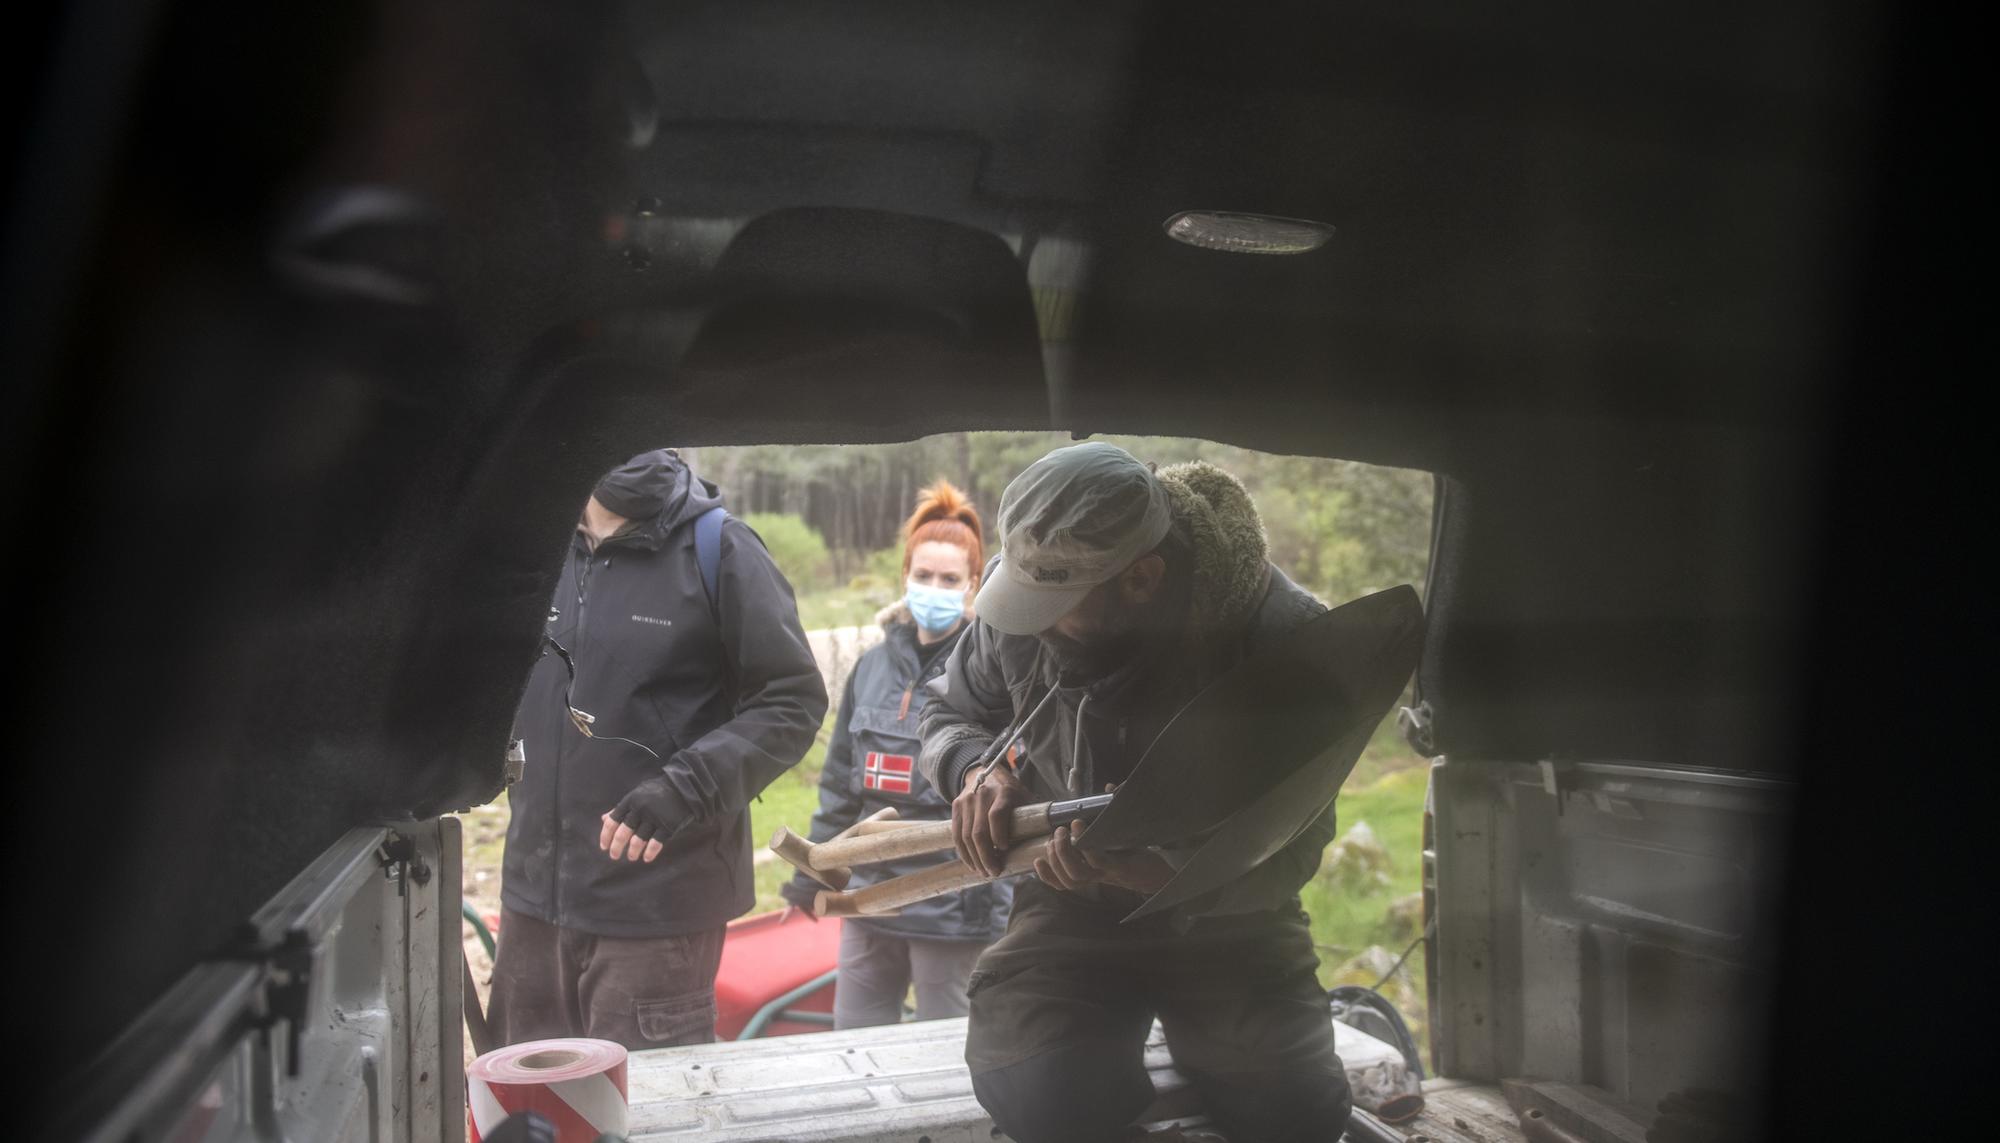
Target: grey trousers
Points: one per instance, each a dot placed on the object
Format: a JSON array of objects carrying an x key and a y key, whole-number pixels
[
  {"x": 877, "y": 969},
  {"x": 648, "y": 992}
]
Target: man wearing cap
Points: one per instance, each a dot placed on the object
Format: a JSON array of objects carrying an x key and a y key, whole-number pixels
[
  {"x": 1124, "y": 592},
  {"x": 675, "y": 685}
]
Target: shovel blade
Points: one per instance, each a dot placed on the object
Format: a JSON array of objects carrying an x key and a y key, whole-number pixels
[
  {"x": 1254, "y": 833},
  {"x": 1230, "y": 762}
]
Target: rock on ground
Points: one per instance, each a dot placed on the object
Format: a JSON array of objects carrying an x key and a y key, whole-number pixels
[
  {"x": 1357, "y": 862},
  {"x": 836, "y": 649}
]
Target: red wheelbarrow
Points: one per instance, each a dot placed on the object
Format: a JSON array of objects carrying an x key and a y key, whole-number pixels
[
  {"x": 777, "y": 975},
  {"x": 776, "y": 979}
]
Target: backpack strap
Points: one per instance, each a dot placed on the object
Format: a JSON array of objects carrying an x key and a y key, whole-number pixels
[{"x": 708, "y": 549}]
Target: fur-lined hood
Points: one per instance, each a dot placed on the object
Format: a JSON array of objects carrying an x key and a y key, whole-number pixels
[
  {"x": 1231, "y": 556},
  {"x": 896, "y": 614}
]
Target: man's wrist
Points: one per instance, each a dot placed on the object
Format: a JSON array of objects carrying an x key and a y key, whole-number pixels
[{"x": 959, "y": 762}]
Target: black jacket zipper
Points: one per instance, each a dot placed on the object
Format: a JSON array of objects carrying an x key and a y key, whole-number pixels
[{"x": 555, "y": 782}]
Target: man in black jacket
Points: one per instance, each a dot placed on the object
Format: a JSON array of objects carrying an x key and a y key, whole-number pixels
[{"x": 675, "y": 686}]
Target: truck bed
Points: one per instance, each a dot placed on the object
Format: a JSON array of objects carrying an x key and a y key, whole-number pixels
[
  {"x": 908, "y": 1084},
  {"x": 1456, "y": 1111}
]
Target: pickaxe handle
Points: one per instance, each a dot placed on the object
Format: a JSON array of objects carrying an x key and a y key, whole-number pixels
[
  {"x": 885, "y": 897},
  {"x": 830, "y": 860},
  {"x": 884, "y": 818}
]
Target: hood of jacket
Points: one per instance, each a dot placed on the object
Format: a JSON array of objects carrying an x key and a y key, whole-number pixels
[
  {"x": 1231, "y": 556},
  {"x": 659, "y": 481},
  {"x": 1229, "y": 579}
]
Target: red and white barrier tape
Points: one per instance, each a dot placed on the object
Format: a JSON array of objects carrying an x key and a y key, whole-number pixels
[{"x": 579, "y": 1085}]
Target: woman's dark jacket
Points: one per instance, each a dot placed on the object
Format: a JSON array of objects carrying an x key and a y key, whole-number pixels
[{"x": 871, "y": 763}]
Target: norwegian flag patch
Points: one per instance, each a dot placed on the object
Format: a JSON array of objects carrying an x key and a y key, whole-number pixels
[{"x": 887, "y": 772}]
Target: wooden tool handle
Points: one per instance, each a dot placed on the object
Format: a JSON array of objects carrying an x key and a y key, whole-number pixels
[
  {"x": 886, "y": 816},
  {"x": 910, "y": 840},
  {"x": 797, "y": 853},
  {"x": 795, "y": 849},
  {"x": 867, "y": 826},
  {"x": 886, "y": 897},
  {"x": 868, "y": 848}
]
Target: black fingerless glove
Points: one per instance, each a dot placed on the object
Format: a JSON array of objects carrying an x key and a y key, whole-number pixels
[
  {"x": 799, "y": 892},
  {"x": 654, "y": 809}
]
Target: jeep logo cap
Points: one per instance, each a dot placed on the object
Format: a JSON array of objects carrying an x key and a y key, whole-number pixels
[{"x": 1070, "y": 521}]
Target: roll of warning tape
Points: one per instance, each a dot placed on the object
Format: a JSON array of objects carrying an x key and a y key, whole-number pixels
[{"x": 578, "y": 1084}]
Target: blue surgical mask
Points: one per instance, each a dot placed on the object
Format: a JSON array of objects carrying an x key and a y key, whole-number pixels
[{"x": 935, "y": 608}]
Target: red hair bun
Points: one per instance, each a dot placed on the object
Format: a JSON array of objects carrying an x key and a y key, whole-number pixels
[{"x": 945, "y": 516}]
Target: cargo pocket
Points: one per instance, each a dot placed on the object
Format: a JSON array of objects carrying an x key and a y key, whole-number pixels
[
  {"x": 986, "y": 976},
  {"x": 977, "y": 981},
  {"x": 687, "y": 1020}
]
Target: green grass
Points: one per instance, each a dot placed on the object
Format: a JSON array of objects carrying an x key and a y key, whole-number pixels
[
  {"x": 484, "y": 829},
  {"x": 877, "y": 584},
  {"x": 1345, "y": 923},
  {"x": 844, "y": 608},
  {"x": 789, "y": 801}
]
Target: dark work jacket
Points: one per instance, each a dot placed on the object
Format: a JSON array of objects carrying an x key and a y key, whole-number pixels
[
  {"x": 1095, "y": 734},
  {"x": 871, "y": 764},
  {"x": 728, "y": 700}
]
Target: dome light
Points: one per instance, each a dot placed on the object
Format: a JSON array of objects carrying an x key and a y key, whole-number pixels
[{"x": 1236, "y": 233}]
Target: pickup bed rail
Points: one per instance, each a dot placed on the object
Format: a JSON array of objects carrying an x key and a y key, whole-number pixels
[{"x": 334, "y": 1014}]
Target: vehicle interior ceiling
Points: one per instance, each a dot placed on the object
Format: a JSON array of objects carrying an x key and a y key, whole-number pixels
[{"x": 354, "y": 313}]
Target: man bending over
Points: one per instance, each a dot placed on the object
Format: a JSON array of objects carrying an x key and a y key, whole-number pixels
[{"x": 1126, "y": 591}]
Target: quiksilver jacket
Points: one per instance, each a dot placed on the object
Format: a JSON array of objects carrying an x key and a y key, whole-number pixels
[{"x": 725, "y": 695}]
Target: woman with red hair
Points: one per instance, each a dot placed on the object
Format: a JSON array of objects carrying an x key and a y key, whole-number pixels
[{"x": 871, "y": 764}]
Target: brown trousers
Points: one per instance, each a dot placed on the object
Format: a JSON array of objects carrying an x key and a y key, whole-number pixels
[{"x": 643, "y": 992}]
